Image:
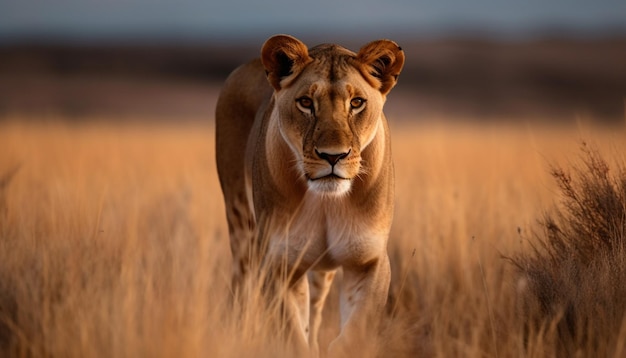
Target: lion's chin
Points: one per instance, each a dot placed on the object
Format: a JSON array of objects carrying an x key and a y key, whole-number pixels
[{"x": 330, "y": 185}]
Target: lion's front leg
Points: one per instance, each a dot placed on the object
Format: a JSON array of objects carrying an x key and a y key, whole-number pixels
[
  {"x": 319, "y": 286},
  {"x": 363, "y": 296},
  {"x": 297, "y": 311},
  {"x": 292, "y": 299}
]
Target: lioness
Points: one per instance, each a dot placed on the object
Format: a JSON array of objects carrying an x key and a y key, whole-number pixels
[{"x": 304, "y": 161}]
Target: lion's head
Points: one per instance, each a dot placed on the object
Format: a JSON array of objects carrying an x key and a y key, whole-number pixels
[{"x": 328, "y": 105}]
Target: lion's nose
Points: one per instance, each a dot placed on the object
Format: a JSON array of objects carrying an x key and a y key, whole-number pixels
[{"x": 332, "y": 159}]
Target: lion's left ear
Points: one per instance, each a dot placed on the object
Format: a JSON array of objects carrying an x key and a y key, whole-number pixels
[
  {"x": 381, "y": 62},
  {"x": 282, "y": 57}
]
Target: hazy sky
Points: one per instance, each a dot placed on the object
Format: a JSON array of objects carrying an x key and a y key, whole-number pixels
[{"x": 202, "y": 19}]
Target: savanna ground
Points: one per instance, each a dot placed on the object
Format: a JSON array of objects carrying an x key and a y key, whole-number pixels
[{"x": 113, "y": 242}]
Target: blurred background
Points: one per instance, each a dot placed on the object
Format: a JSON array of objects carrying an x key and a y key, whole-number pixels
[{"x": 484, "y": 60}]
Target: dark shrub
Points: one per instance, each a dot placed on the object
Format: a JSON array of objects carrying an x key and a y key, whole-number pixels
[{"x": 575, "y": 278}]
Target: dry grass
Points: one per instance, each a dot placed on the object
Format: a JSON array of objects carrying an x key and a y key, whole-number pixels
[{"x": 113, "y": 242}]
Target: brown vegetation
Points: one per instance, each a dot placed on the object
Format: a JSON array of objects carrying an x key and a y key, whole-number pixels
[
  {"x": 113, "y": 243},
  {"x": 487, "y": 79},
  {"x": 575, "y": 275}
]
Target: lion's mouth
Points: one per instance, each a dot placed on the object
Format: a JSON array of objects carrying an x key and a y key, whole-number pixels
[
  {"x": 331, "y": 176},
  {"x": 330, "y": 184}
]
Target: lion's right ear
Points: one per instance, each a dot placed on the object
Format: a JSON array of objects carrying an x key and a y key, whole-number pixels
[
  {"x": 381, "y": 62},
  {"x": 283, "y": 56}
]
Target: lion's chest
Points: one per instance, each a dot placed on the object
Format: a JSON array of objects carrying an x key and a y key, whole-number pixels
[{"x": 323, "y": 235}]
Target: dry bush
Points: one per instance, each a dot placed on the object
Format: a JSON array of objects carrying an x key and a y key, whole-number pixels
[{"x": 573, "y": 282}]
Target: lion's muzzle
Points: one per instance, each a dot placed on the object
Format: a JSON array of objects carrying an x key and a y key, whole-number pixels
[{"x": 331, "y": 176}]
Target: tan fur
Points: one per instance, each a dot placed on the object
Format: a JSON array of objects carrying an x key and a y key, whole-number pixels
[{"x": 304, "y": 160}]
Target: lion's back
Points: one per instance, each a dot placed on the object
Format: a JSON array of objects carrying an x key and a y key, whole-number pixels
[
  {"x": 241, "y": 97},
  {"x": 245, "y": 89}
]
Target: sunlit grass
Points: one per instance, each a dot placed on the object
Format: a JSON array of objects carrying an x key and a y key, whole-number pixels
[{"x": 113, "y": 240}]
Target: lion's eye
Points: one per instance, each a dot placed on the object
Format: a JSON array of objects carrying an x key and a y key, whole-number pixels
[
  {"x": 357, "y": 102},
  {"x": 305, "y": 104}
]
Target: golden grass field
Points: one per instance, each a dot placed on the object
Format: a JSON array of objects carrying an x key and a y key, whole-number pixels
[{"x": 113, "y": 240}]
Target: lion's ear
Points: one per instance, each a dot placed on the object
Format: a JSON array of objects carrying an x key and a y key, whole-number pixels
[
  {"x": 283, "y": 56},
  {"x": 381, "y": 62}
]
